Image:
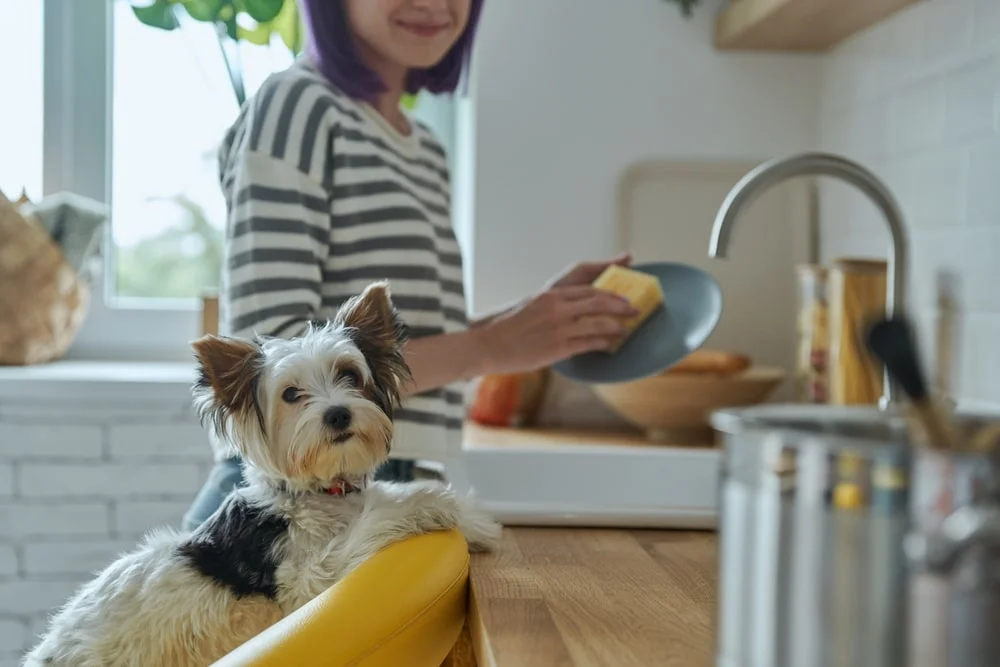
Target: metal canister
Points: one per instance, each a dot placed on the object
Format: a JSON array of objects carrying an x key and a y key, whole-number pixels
[
  {"x": 954, "y": 554},
  {"x": 813, "y": 513}
]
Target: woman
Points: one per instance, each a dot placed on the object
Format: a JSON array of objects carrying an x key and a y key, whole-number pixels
[{"x": 329, "y": 185}]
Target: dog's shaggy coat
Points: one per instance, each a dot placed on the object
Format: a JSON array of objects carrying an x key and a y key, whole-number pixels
[{"x": 312, "y": 418}]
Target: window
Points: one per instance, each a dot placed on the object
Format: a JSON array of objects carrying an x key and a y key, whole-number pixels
[
  {"x": 133, "y": 116},
  {"x": 21, "y": 111},
  {"x": 171, "y": 104}
]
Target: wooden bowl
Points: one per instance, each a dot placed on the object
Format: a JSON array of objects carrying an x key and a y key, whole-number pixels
[{"x": 674, "y": 408}]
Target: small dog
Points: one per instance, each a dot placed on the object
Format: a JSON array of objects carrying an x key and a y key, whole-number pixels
[{"x": 312, "y": 418}]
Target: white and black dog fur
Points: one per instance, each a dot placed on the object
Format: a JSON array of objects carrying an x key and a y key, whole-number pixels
[{"x": 312, "y": 419}]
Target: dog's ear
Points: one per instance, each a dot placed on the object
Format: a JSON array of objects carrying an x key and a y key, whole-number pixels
[
  {"x": 373, "y": 313},
  {"x": 230, "y": 368},
  {"x": 379, "y": 332}
]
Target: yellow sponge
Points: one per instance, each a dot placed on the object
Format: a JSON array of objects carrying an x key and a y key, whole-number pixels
[{"x": 642, "y": 291}]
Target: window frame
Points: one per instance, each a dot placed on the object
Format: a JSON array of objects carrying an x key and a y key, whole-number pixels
[
  {"x": 77, "y": 132},
  {"x": 77, "y": 156}
]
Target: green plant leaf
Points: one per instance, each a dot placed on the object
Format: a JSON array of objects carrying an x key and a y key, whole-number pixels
[
  {"x": 408, "y": 101},
  {"x": 232, "y": 29},
  {"x": 264, "y": 11},
  {"x": 288, "y": 25},
  {"x": 203, "y": 10},
  {"x": 159, "y": 14},
  {"x": 259, "y": 35}
]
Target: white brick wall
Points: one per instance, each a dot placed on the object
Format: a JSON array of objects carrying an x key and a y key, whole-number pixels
[
  {"x": 917, "y": 98},
  {"x": 78, "y": 485}
]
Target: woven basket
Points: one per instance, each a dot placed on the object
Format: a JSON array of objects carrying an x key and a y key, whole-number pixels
[{"x": 43, "y": 301}]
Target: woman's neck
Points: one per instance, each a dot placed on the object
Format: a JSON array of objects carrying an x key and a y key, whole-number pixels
[{"x": 387, "y": 103}]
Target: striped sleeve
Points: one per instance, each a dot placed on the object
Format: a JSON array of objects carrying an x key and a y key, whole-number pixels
[{"x": 278, "y": 240}]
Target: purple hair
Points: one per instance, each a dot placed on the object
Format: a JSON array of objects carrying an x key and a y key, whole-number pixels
[{"x": 331, "y": 46}]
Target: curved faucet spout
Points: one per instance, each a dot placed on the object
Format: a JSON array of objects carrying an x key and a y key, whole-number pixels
[{"x": 770, "y": 173}]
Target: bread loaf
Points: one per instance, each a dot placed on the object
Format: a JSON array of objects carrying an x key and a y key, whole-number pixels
[{"x": 712, "y": 362}]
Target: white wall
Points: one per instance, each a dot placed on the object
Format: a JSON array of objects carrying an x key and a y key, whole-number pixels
[
  {"x": 916, "y": 99},
  {"x": 82, "y": 478},
  {"x": 569, "y": 93}
]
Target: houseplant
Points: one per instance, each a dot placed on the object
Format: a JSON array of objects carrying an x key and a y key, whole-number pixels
[{"x": 251, "y": 21}]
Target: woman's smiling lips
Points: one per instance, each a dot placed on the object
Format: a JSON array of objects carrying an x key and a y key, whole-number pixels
[{"x": 423, "y": 29}]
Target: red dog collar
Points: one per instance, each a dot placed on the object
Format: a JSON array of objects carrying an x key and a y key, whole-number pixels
[{"x": 342, "y": 487}]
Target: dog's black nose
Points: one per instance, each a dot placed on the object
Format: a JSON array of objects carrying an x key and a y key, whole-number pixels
[{"x": 338, "y": 417}]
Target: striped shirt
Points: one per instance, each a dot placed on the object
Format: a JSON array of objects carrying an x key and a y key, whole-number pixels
[{"x": 324, "y": 196}]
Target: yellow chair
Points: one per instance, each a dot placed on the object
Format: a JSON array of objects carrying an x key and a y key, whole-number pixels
[{"x": 404, "y": 607}]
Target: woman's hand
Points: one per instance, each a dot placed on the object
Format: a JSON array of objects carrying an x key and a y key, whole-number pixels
[
  {"x": 586, "y": 273},
  {"x": 561, "y": 322}
]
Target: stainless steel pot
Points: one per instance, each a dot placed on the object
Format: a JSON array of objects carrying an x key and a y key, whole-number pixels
[
  {"x": 815, "y": 509},
  {"x": 953, "y": 554}
]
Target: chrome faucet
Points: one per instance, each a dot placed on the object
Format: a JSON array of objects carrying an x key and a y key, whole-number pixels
[{"x": 775, "y": 171}]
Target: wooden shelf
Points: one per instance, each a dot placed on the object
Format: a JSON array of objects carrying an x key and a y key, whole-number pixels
[{"x": 797, "y": 25}]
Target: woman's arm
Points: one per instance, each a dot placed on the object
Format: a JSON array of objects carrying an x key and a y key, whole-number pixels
[
  {"x": 558, "y": 323},
  {"x": 477, "y": 322},
  {"x": 436, "y": 361}
]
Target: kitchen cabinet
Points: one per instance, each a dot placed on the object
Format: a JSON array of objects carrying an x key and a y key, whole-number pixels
[{"x": 797, "y": 25}]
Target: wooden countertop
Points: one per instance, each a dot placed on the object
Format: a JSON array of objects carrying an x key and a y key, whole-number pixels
[{"x": 589, "y": 598}]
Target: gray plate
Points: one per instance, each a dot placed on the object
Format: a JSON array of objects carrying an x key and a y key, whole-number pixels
[{"x": 693, "y": 306}]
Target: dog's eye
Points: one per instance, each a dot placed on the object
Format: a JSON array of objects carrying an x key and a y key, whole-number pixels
[
  {"x": 291, "y": 395},
  {"x": 350, "y": 376}
]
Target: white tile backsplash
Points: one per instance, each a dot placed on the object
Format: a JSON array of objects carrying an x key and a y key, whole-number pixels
[
  {"x": 984, "y": 188},
  {"x": 916, "y": 116},
  {"x": 947, "y": 29},
  {"x": 986, "y": 15},
  {"x": 971, "y": 100},
  {"x": 930, "y": 127}
]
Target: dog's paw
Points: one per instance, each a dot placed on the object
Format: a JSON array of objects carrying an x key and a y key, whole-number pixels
[{"x": 481, "y": 531}]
